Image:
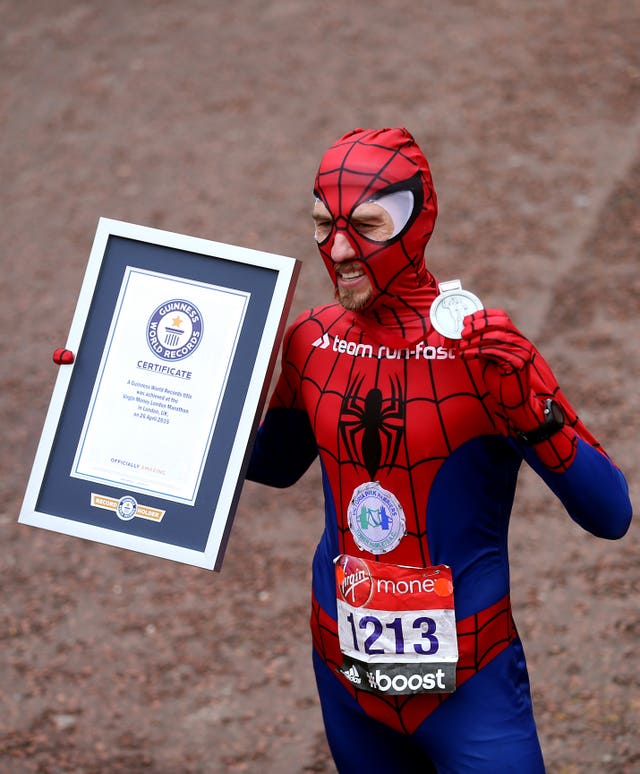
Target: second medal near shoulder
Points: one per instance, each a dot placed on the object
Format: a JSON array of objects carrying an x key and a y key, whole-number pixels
[{"x": 450, "y": 308}]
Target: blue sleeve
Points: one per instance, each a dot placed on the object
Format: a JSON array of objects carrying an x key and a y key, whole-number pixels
[
  {"x": 593, "y": 491},
  {"x": 284, "y": 449}
]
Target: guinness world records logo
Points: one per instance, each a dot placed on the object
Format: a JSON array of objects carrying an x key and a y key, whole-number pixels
[
  {"x": 174, "y": 330},
  {"x": 126, "y": 508}
]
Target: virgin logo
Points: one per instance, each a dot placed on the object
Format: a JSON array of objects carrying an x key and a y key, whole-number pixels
[{"x": 354, "y": 581}]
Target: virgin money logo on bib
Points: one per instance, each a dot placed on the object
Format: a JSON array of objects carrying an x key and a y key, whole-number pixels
[
  {"x": 353, "y": 580},
  {"x": 174, "y": 329},
  {"x": 376, "y": 519}
]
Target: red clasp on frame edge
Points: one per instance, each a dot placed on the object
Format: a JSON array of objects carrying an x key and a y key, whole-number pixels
[{"x": 63, "y": 356}]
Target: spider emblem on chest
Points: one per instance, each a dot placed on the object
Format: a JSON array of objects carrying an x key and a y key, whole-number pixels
[{"x": 372, "y": 425}]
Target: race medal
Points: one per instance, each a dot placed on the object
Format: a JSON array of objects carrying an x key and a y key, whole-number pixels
[
  {"x": 376, "y": 519},
  {"x": 397, "y": 627},
  {"x": 451, "y": 306}
]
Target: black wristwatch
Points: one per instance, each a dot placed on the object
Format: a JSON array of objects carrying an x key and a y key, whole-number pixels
[{"x": 552, "y": 422}]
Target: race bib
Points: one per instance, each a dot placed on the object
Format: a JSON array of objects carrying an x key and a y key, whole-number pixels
[{"x": 397, "y": 626}]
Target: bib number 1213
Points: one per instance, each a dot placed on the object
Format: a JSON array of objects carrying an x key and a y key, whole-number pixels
[{"x": 398, "y": 635}]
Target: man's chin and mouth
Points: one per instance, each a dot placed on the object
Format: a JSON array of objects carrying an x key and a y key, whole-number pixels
[{"x": 353, "y": 289}]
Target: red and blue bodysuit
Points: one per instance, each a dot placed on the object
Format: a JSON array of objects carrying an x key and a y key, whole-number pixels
[{"x": 433, "y": 425}]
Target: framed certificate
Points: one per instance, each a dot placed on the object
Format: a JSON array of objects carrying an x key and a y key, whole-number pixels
[{"x": 148, "y": 433}]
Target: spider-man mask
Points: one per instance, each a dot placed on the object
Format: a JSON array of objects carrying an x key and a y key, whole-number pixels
[{"x": 387, "y": 167}]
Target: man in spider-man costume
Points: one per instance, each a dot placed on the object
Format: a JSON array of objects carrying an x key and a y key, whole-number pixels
[{"x": 420, "y": 439}]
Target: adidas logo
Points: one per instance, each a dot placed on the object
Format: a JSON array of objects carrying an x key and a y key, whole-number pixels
[{"x": 352, "y": 675}]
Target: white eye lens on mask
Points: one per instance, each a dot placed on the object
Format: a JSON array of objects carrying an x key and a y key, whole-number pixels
[
  {"x": 399, "y": 205},
  {"x": 322, "y": 224}
]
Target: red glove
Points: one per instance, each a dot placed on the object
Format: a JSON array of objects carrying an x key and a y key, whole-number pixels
[{"x": 520, "y": 381}]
